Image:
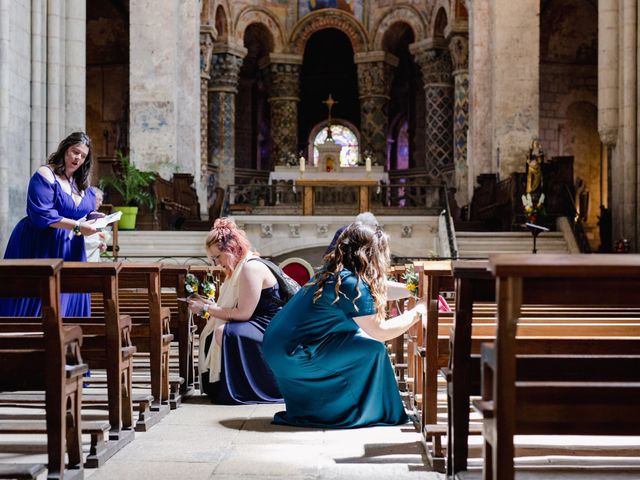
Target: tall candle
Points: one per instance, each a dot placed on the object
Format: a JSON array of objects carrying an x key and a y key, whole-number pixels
[
  {"x": 302, "y": 164},
  {"x": 367, "y": 164}
]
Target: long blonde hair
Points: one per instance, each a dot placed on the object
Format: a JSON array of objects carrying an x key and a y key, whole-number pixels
[{"x": 364, "y": 251}]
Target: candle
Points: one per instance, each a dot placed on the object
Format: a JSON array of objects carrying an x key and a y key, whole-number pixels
[
  {"x": 302, "y": 164},
  {"x": 367, "y": 164}
]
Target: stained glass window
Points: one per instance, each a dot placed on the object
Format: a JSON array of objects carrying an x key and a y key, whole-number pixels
[{"x": 344, "y": 137}]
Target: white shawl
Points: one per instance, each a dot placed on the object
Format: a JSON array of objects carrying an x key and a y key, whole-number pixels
[{"x": 229, "y": 294}]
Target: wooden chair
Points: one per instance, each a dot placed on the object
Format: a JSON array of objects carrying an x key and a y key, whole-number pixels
[{"x": 298, "y": 269}]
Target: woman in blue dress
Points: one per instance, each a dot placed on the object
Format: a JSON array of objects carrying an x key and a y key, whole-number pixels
[
  {"x": 326, "y": 347},
  {"x": 58, "y": 201},
  {"x": 231, "y": 365}
]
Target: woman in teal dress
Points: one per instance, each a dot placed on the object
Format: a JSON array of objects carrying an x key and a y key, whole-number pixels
[{"x": 326, "y": 347}]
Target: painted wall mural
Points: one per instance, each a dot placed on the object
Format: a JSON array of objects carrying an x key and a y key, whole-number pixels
[{"x": 354, "y": 7}]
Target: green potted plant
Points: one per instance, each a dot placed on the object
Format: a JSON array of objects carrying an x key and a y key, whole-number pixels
[{"x": 133, "y": 186}]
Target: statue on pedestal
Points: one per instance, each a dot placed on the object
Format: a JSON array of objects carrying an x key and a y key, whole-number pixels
[{"x": 534, "y": 170}]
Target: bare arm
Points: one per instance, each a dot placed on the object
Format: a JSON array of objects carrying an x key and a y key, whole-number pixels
[
  {"x": 391, "y": 328},
  {"x": 397, "y": 290},
  {"x": 254, "y": 277}
]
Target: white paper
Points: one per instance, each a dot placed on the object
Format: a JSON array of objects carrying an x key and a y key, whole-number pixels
[{"x": 102, "y": 222}]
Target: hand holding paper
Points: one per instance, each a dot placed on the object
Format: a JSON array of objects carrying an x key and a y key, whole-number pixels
[{"x": 102, "y": 222}]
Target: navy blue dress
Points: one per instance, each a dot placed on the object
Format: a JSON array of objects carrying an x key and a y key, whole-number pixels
[
  {"x": 245, "y": 377},
  {"x": 32, "y": 237}
]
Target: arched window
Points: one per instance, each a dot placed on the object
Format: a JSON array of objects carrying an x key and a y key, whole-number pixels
[{"x": 343, "y": 136}]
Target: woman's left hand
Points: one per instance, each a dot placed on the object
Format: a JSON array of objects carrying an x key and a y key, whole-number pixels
[{"x": 196, "y": 304}]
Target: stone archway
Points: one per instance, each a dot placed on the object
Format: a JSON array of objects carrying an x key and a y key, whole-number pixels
[
  {"x": 324, "y": 19},
  {"x": 405, "y": 14},
  {"x": 260, "y": 15}
]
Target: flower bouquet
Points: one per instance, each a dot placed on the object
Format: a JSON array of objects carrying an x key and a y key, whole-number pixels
[
  {"x": 410, "y": 277},
  {"x": 533, "y": 209},
  {"x": 207, "y": 287}
]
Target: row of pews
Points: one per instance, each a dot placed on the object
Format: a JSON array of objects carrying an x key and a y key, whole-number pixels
[
  {"x": 105, "y": 376},
  {"x": 536, "y": 345}
]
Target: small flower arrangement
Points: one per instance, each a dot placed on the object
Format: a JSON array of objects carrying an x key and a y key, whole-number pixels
[
  {"x": 410, "y": 277},
  {"x": 532, "y": 209},
  {"x": 207, "y": 287}
]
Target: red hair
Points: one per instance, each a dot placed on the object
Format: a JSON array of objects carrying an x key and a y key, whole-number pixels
[{"x": 228, "y": 238}]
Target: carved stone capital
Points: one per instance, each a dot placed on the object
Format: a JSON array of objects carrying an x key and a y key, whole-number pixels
[
  {"x": 224, "y": 72},
  {"x": 435, "y": 64},
  {"x": 608, "y": 135},
  {"x": 375, "y": 77},
  {"x": 284, "y": 80},
  {"x": 459, "y": 49}
]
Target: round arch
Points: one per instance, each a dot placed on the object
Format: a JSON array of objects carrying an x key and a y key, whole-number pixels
[
  {"x": 261, "y": 15},
  {"x": 222, "y": 21},
  {"x": 441, "y": 7},
  {"x": 328, "y": 18},
  {"x": 405, "y": 14}
]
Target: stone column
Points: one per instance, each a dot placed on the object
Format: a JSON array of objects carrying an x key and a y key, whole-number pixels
[
  {"x": 205, "y": 189},
  {"x": 435, "y": 62},
  {"x": 625, "y": 215},
  {"x": 164, "y": 87},
  {"x": 223, "y": 87},
  {"x": 375, "y": 75},
  {"x": 284, "y": 96},
  {"x": 75, "y": 65},
  {"x": 479, "y": 140},
  {"x": 515, "y": 81},
  {"x": 459, "y": 48}
]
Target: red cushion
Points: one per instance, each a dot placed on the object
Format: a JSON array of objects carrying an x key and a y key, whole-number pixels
[{"x": 298, "y": 272}]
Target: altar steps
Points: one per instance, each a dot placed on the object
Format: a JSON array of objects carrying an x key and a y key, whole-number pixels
[{"x": 483, "y": 244}]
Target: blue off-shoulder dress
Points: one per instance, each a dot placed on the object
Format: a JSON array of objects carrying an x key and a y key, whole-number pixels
[
  {"x": 245, "y": 377},
  {"x": 330, "y": 373},
  {"x": 32, "y": 237}
]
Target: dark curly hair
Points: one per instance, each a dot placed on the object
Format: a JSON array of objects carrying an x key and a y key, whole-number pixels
[{"x": 56, "y": 159}]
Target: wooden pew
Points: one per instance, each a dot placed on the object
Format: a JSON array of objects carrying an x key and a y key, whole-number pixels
[
  {"x": 173, "y": 277},
  {"x": 556, "y": 404},
  {"x": 48, "y": 360},
  {"x": 435, "y": 277},
  {"x": 107, "y": 346},
  {"x": 151, "y": 331}
]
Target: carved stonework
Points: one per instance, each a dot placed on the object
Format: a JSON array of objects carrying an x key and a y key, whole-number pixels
[
  {"x": 322, "y": 229},
  {"x": 294, "y": 230},
  {"x": 435, "y": 64},
  {"x": 284, "y": 91},
  {"x": 206, "y": 50},
  {"x": 459, "y": 49},
  {"x": 436, "y": 67},
  {"x": 608, "y": 135},
  {"x": 324, "y": 19},
  {"x": 266, "y": 230},
  {"x": 407, "y": 231},
  {"x": 399, "y": 14},
  {"x": 225, "y": 69},
  {"x": 284, "y": 80},
  {"x": 374, "y": 83}
]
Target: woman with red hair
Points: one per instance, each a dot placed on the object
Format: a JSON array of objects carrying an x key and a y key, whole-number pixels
[{"x": 232, "y": 368}]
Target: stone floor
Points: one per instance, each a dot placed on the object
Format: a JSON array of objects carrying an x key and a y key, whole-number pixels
[
  {"x": 203, "y": 441},
  {"x": 213, "y": 442}
]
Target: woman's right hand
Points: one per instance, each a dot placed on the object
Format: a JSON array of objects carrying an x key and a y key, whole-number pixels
[{"x": 86, "y": 228}]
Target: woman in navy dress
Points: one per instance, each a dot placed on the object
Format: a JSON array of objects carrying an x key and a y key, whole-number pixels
[
  {"x": 232, "y": 368},
  {"x": 326, "y": 346},
  {"x": 58, "y": 198}
]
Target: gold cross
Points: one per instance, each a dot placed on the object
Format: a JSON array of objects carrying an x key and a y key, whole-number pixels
[{"x": 330, "y": 102}]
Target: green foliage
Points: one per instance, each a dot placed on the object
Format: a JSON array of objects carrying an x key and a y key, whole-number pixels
[{"x": 131, "y": 183}]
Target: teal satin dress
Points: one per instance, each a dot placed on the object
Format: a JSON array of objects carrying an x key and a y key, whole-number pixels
[{"x": 330, "y": 373}]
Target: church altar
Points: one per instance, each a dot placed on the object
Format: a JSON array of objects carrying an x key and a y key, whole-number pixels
[{"x": 294, "y": 174}]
